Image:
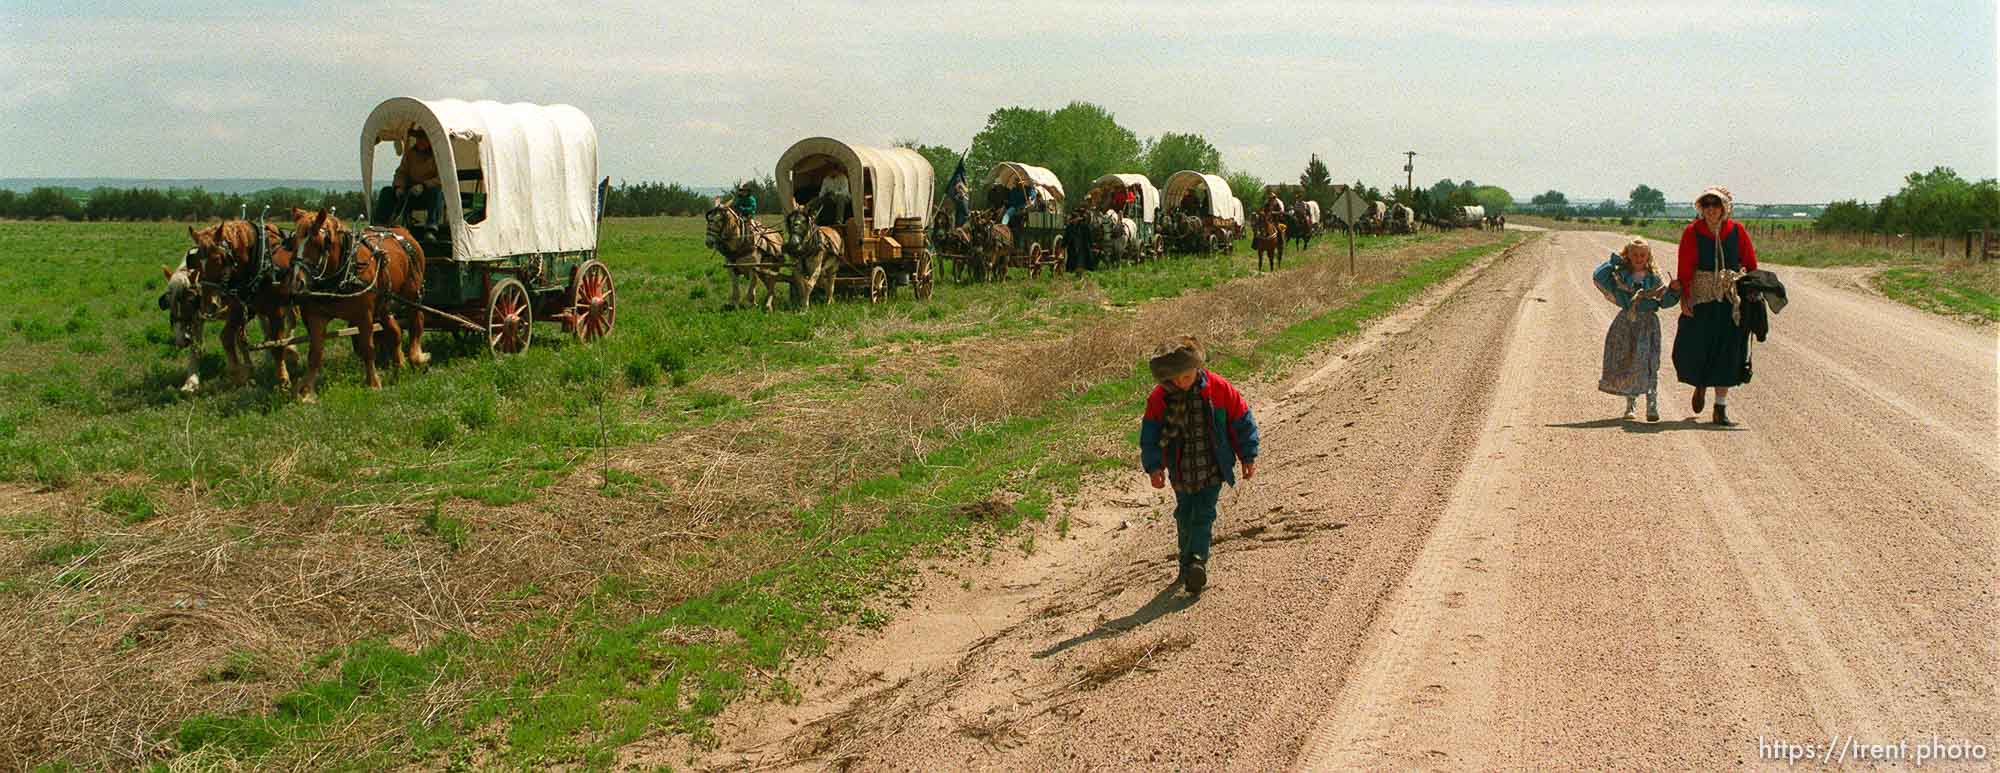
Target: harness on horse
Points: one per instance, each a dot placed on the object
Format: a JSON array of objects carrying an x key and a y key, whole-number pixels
[
  {"x": 319, "y": 284},
  {"x": 243, "y": 285}
]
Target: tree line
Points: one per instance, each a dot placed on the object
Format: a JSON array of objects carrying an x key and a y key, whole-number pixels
[
  {"x": 1938, "y": 202},
  {"x": 186, "y": 204}
]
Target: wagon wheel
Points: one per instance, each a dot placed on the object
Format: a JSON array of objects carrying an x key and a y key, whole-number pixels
[
  {"x": 1059, "y": 252},
  {"x": 593, "y": 302},
  {"x": 920, "y": 283},
  {"x": 878, "y": 285},
  {"x": 509, "y": 317},
  {"x": 1035, "y": 258}
]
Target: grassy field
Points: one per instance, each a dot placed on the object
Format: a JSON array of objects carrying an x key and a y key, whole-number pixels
[
  {"x": 1947, "y": 285},
  {"x": 471, "y": 566}
]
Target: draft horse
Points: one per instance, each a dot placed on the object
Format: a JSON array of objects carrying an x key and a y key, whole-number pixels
[
  {"x": 753, "y": 253},
  {"x": 238, "y": 270},
  {"x": 337, "y": 273}
]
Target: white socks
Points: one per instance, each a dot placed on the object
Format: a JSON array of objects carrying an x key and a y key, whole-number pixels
[{"x": 1722, "y": 399}]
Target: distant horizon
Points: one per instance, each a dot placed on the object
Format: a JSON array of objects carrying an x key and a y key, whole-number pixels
[{"x": 25, "y": 184}]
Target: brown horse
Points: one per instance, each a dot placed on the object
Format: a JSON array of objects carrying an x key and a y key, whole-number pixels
[
  {"x": 1268, "y": 237},
  {"x": 338, "y": 274},
  {"x": 992, "y": 242},
  {"x": 761, "y": 245},
  {"x": 246, "y": 278},
  {"x": 818, "y": 250}
]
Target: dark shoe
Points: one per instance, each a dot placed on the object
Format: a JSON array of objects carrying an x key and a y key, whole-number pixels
[
  {"x": 1700, "y": 398},
  {"x": 1652, "y": 414},
  {"x": 1196, "y": 577},
  {"x": 1722, "y": 416}
]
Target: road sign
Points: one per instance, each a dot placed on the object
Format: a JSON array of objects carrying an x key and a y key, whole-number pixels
[{"x": 1349, "y": 206}]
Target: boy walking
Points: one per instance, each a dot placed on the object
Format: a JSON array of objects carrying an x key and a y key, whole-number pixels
[{"x": 1195, "y": 429}]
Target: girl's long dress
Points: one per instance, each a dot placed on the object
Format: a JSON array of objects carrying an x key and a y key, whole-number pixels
[{"x": 1632, "y": 344}]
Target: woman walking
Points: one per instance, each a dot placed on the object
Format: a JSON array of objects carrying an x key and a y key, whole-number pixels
[{"x": 1711, "y": 348}]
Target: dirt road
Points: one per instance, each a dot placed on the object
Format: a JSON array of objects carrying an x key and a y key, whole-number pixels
[{"x": 1454, "y": 555}]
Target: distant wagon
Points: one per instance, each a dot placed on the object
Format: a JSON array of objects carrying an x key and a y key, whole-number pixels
[
  {"x": 856, "y": 218},
  {"x": 517, "y": 238},
  {"x": 1038, "y": 235},
  {"x": 1200, "y": 214},
  {"x": 1143, "y": 211}
]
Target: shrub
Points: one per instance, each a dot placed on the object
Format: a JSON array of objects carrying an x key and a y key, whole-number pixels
[
  {"x": 131, "y": 505},
  {"x": 642, "y": 373},
  {"x": 437, "y": 430}
]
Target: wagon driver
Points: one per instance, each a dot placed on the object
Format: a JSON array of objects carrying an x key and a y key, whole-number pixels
[
  {"x": 745, "y": 204},
  {"x": 416, "y": 182}
]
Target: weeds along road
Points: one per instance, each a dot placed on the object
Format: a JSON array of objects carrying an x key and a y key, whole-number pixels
[{"x": 1454, "y": 556}]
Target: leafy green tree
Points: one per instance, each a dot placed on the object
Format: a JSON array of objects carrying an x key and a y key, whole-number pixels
[
  {"x": 1011, "y": 134},
  {"x": 1368, "y": 192},
  {"x": 46, "y": 202},
  {"x": 1171, "y": 152},
  {"x": 1494, "y": 198},
  {"x": 1247, "y": 188},
  {"x": 1647, "y": 200},
  {"x": 1849, "y": 215},
  {"x": 1316, "y": 183},
  {"x": 1086, "y": 142},
  {"x": 1551, "y": 202}
]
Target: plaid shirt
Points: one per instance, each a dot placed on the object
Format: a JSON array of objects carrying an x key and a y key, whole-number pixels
[{"x": 1190, "y": 424}]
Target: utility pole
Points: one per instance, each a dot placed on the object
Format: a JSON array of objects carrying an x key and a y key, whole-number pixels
[{"x": 1410, "y": 171}]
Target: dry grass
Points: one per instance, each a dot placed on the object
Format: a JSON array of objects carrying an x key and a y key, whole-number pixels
[{"x": 145, "y": 628}]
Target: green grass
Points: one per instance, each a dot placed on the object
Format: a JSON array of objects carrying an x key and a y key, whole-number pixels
[
  {"x": 1969, "y": 292},
  {"x": 469, "y": 425},
  {"x": 570, "y": 688}
]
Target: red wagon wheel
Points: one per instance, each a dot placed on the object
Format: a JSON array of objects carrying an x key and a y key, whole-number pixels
[
  {"x": 510, "y": 317},
  {"x": 1035, "y": 258},
  {"x": 593, "y": 302}
]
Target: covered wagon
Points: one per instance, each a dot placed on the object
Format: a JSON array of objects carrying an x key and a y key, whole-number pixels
[
  {"x": 510, "y": 236},
  {"x": 1199, "y": 213},
  {"x": 856, "y": 218}
]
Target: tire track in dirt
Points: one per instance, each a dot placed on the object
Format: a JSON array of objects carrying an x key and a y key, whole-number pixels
[
  {"x": 1020, "y": 692},
  {"x": 1646, "y": 621}
]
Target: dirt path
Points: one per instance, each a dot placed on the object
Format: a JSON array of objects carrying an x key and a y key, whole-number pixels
[{"x": 1454, "y": 556}]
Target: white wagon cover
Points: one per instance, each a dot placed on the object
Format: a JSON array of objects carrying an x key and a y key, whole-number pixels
[
  {"x": 1149, "y": 196},
  {"x": 538, "y": 164},
  {"x": 902, "y": 176},
  {"x": 1221, "y": 203},
  {"x": 1006, "y": 172},
  {"x": 1312, "y": 210}
]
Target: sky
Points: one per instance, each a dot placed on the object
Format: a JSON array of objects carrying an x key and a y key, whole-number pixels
[{"x": 1791, "y": 102}]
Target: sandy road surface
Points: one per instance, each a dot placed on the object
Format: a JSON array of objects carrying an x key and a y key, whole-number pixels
[{"x": 1453, "y": 556}]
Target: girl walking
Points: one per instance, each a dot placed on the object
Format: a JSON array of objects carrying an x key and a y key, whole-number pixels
[{"x": 1632, "y": 345}]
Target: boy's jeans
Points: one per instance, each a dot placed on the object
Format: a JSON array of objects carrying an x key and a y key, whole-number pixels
[{"x": 1194, "y": 521}]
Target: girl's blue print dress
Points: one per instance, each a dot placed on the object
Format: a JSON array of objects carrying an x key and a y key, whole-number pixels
[{"x": 1632, "y": 345}]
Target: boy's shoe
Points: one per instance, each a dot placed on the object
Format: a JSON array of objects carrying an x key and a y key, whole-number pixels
[
  {"x": 1195, "y": 577},
  {"x": 1722, "y": 416},
  {"x": 1652, "y": 414},
  {"x": 1630, "y": 416},
  {"x": 1700, "y": 398}
]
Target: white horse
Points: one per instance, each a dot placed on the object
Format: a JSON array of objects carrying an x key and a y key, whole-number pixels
[
  {"x": 1117, "y": 238},
  {"x": 188, "y": 306}
]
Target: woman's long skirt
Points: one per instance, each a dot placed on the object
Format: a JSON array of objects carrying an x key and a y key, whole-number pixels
[
  {"x": 1631, "y": 355},
  {"x": 1710, "y": 350}
]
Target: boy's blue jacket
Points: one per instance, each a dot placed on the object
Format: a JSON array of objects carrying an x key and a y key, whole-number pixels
[{"x": 1230, "y": 423}]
